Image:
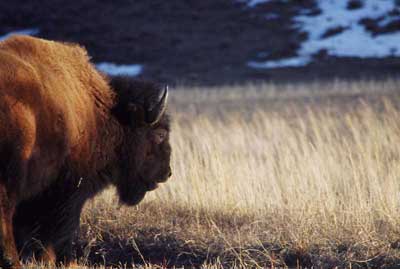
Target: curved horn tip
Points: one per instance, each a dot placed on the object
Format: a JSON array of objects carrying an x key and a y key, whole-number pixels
[
  {"x": 165, "y": 95},
  {"x": 156, "y": 112},
  {"x": 161, "y": 96}
]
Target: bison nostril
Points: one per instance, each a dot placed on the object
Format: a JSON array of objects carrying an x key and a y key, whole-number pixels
[{"x": 169, "y": 173}]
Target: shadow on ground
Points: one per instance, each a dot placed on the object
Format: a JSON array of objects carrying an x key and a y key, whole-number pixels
[{"x": 172, "y": 252}]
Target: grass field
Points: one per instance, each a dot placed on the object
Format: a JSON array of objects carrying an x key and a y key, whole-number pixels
[{"x": 266, "y": 176}]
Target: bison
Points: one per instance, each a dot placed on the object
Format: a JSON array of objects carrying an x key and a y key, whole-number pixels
[{"x": 66, "y": 133}]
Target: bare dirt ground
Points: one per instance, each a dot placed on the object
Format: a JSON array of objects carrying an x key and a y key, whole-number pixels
[{"x": 188, "y": 42}]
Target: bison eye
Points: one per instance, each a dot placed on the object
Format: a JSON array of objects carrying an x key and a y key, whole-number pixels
[{"x": 158, "y": 135}]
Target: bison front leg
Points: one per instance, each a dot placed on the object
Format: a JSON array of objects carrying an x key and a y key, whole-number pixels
[
  {"x": 59, "y": 244},
  {"x": 64, "y": 252},
  {"x": 48, "y": 256},
  {"x": 8, "y": 251},
  {"x": 51, "y": 242},
  {"x": 46, "y": 225}
]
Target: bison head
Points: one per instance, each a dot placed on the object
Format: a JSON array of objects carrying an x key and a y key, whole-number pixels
[{"x": 145, "y": 151}]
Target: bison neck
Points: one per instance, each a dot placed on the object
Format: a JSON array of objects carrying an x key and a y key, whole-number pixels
[{"x": 104, "y": 159}]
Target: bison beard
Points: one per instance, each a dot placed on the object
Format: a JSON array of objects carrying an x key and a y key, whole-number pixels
[
  {"x": 130, "y": 196},
  {"x": 66, "y": 133}
]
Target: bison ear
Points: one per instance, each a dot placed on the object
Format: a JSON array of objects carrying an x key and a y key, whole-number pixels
[{"x": 157, "y": 106}]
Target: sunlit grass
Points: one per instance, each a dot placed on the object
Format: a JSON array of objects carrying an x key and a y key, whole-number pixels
[{"x": 267, "y": 175}]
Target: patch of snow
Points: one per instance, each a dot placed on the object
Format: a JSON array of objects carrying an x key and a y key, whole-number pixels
[
  {"x": 31, "y": 31},
  {"x": 120, "y": 69},
  {"x": 253, "y": 3},
  {"x": 288, "y": 62},
  {"x": 353, "y": 41}
]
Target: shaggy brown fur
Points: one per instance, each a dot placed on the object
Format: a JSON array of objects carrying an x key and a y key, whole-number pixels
[{"x": 64, "y": 136}]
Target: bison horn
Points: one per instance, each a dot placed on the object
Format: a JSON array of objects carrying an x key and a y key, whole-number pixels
[{"x": 156, "y": 107}]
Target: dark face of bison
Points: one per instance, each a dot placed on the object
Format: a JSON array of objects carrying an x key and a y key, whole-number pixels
[{"x": 145, "y": 152}]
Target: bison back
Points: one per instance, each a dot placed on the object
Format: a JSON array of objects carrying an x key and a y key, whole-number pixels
[{"x": 51, "y": 101}]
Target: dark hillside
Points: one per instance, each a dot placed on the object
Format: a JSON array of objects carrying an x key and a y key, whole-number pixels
[{"x": 196, "y": 42}]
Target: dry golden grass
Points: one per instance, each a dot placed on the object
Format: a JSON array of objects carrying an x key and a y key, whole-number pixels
[{"x": 267, "y": 175}]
